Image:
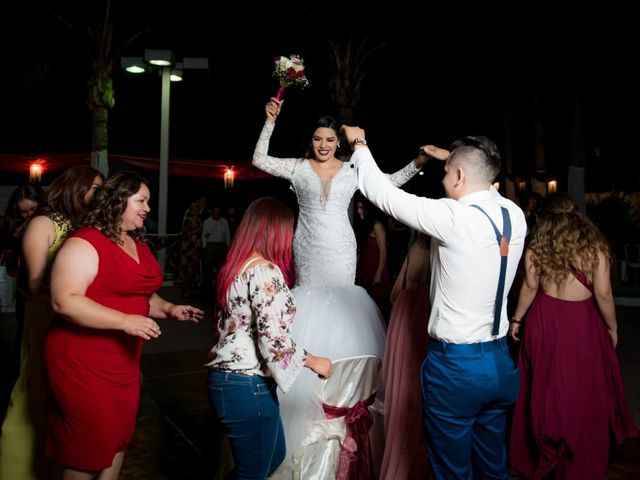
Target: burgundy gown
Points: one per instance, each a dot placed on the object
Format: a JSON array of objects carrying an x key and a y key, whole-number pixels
[
  {"x": 95, "y": 374},
  {"x": 405, "y": 453},
  {"x": 571, "y": 393},
  {"x": 366, "y": 271}
]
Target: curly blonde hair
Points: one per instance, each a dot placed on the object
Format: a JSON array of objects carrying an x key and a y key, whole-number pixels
[{"x": 564, "y": 238}]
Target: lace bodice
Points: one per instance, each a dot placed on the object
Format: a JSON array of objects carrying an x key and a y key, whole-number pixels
[{"x": 324, "y": 245}]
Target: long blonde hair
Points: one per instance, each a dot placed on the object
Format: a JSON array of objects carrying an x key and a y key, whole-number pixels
[{"x": 564, "y": 238}]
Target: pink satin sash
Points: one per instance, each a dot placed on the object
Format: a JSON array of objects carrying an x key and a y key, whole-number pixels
[{"x": 356, "y": 461}]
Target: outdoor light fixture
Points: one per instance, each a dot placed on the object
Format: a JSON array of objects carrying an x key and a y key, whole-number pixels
[
  {"x": 229, "y": 177},
  {"x": 35, "y": 172},
  {"x": 552, "y": 186},
  {"x": 133, "y": 64},
  {"x": 159, "y": 58}
]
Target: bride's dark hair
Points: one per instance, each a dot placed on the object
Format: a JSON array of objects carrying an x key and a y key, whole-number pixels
[{"x": 323, "y": 122}]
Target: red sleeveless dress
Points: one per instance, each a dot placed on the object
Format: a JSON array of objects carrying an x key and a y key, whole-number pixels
[
  {"x": 571, "y": 393},
  {"x": 94, "y": 374}
]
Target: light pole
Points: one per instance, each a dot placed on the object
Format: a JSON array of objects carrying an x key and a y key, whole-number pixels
[{"x": 170, "y": 70}]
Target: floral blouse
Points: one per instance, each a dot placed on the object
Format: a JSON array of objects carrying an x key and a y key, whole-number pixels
[{"x": 254, "y": 328}]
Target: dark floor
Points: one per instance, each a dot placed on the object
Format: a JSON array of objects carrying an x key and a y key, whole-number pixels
[{"x": 177, "y": 437}]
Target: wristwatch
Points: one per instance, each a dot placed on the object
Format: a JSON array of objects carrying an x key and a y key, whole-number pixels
[{"x": 359, "y": 141}]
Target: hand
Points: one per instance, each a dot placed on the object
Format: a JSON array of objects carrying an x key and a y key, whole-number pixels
[
  {"x": 186, "y": 312},
  {"x": 322, "y": 366},
  {"x": 514, "y": 330},
  {"x": 141, "y": 326},
  {"x": 351, "y": 133},
  {"x": 272, "y": 108},
  {"x": 614, "y": 336},
  {"x": 434, "y": 152}
]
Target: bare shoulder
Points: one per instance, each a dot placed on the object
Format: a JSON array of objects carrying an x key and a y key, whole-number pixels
[
  {"x": 39, "y": 225},
  {"x": 79, "y": 248}
]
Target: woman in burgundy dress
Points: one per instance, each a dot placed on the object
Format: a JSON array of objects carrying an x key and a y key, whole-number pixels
[
  {"x": 103, "y": 286},
  {"x": 405, "y": 452},
  {"x": 571, "y": 394},
  {"x": 372, "y": 272}
]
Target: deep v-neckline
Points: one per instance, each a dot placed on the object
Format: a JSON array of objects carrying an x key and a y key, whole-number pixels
[
  {"x": 134, "y": 259},
  {"x": 325, "y": 180},
  {"x": 325, "y": 184}
]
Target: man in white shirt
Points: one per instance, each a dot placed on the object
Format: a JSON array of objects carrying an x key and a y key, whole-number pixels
[
  {"x": 468, "y": 377},
  {"x": 216, "y": 238}
]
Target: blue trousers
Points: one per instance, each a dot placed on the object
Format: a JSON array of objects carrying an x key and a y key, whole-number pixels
[
  {"x": 248, "y": 407},
  {"x": 467, "y": 390}
]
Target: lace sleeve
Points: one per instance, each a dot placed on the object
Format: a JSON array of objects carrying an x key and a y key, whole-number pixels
[
  {"x": 274, "y": 308},
  {"x": 403, "y": 175},
  {"x": 280, "y": 167}
]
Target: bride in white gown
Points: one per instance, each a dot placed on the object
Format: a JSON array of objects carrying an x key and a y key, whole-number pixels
[{"x": 334, "y": 318}]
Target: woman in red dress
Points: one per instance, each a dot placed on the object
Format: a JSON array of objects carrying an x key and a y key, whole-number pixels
[
  {"x": 103, "y": 286},
  {"x": 571, "y": 394}
]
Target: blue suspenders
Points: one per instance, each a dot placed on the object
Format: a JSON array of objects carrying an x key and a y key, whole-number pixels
[{"x": 503, "y": 242}]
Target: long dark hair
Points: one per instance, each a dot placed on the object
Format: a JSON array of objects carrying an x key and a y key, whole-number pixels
[
  {"x": 322, "y": 122},
  {"x": 266, "y": 228},
  {"x": 13, "y": 224},
  {"x": 27, "y": 191},
  {"x": 110, "y": 203},
  {"x": 66, "y": 194}
]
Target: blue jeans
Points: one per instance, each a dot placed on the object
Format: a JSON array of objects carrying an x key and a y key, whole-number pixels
[
  {"x": 248, "y": 407},
  {"x": 467, "y": 391}
]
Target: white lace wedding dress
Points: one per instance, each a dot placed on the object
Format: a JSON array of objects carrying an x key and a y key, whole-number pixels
[{"x": 334, "y": 318}]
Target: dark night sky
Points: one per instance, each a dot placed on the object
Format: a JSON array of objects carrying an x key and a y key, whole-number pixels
[{"x": 443, "y": 73}]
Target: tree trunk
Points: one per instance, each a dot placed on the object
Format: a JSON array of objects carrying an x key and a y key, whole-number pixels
[{"x": 99, "y": 139}]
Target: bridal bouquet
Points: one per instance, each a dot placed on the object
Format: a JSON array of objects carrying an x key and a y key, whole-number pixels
[{"x": 290, "y": 71}]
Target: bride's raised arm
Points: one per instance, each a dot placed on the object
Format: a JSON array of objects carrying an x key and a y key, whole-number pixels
[{"x": 280, "y": 167}]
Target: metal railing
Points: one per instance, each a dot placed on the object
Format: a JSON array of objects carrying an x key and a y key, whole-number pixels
[{"x": 166, "y": 248}]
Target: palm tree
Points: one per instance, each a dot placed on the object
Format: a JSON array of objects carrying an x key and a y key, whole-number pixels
[
  {"x": 97, "y": 43},
  {"x": 347, "y": 70}
]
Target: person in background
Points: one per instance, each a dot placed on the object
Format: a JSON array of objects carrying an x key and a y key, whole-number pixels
[
  {"x": 405, "y": 453},
  {"x": 255, "y": 353},
  {"x": 530, "y": 203},
  {"x": 23, "y": 430},
  {"x": 103, "y": 291},
  {"x": 469, "y": 380},
  {"x": 23, "y": 203},
  {"x": 216, "y": 238},
  {"x": 571, "y": 392},
  {"x": 190, "y": 248},
  {"x": 372, "y": 273},
  {"x": 232, "y": 219},
  {"x": 399, "y": 241}
]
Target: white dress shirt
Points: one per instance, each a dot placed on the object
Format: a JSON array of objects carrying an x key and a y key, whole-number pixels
[
  {"x": 465, "y": 257},
  {"x": 215, "y": 231}
]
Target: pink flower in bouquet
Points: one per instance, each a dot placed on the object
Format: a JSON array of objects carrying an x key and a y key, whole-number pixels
[{"x": 290, "y": 71}]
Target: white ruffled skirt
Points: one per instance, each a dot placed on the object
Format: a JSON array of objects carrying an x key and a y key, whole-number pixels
[{"x": 334, "y": 322}]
